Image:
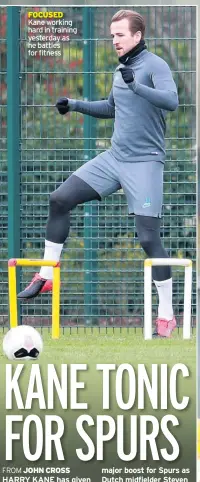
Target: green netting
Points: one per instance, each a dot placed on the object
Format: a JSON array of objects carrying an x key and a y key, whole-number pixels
[
  {"x": 102, "y": 263},
  {"x": 3, "y": 169}
]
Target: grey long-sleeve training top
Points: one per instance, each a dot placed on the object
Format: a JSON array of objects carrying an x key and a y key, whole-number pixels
[{"x": 139, "y": 109}]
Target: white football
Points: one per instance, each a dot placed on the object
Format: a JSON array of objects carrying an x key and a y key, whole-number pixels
[{"x": 22, "y": 342}]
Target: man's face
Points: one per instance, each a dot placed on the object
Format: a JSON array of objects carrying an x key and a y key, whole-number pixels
[{"x": 123, "y": 39}]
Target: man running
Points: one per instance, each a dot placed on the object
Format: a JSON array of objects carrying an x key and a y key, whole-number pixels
[{"x": 143, "y": 91}]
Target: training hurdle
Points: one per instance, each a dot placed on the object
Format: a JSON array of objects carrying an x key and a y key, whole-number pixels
[
  {"x": 148, "y": 263},
  {"x": 187, "y": 264},
  {"x": 12, "y": 265}
]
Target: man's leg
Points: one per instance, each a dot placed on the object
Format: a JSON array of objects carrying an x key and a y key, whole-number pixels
[
  {"x": 93, "y": 180},
  {"x": 148, "y": 231},
  {"x": 143, "y": 185},
  {"x": 72, "y": 192}
]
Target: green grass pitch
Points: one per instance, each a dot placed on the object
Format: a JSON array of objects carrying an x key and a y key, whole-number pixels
[
  {"x": 113, "y": 346},
  {"x": 116, "y": 346}
]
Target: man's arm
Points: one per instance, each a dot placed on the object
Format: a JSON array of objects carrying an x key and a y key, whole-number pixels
[
  {"x": 101, "y": 109},
  {"x": 164, "y": 93}
]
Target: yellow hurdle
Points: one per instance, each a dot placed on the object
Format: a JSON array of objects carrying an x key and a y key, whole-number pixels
[
  {"x": 198, "y": 439},
  {"x": 12, "y": 265}
]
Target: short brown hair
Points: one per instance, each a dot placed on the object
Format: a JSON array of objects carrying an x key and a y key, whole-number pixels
[{"x": 136, "y": 21}]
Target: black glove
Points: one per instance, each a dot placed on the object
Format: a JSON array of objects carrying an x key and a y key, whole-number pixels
[
  {"x": 62, "y": 105},
  {"x": 127, "y": 75}
]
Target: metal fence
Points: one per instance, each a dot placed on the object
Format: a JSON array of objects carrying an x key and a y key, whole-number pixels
[
  {"x": 3, "y": 168},
  {"x": 102, "y": 263}
]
